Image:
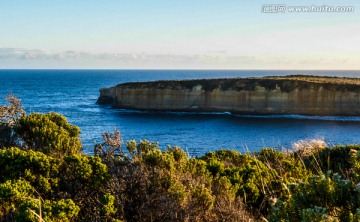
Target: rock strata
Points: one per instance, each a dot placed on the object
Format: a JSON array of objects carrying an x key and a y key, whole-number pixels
[{"x": 302, "y": 95}]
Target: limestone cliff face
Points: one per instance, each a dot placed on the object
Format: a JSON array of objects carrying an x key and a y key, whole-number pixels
[{"x": 269, "y": 95}]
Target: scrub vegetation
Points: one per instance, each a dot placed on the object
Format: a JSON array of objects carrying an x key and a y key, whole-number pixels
[
  {"x": 44, "y": 176},
  {"x": 284, "y": 83}
]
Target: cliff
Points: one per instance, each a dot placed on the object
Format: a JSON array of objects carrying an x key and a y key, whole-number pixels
[{"x": 304, "y": 95}]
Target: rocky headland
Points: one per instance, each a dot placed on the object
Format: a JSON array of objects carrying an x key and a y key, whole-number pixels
[{"x": 274, "y": 95}]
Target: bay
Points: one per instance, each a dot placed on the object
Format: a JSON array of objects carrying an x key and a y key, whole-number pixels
[{"x": 73, "y": 93}]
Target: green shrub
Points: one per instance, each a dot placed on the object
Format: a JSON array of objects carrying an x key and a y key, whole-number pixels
[
  {"x": 169, "y": 186},
  {"x": 336, "y": 159},
  {"x": 289, "y": 166},
  {"x": 254, "y": 181},
  {"x": 84, "y": 179},
  {"x": 49, "y": 133},
  {"x": 325, "y": 196},
  {"x": 43, "y": 174},
  {"x": 14, "y": 195},
  {"x": 63, "y": 210},
  {"x": 40, "y": 170}
]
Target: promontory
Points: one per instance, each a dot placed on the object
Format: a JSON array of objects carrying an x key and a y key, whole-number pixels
[{"x": 295, "y": 94}]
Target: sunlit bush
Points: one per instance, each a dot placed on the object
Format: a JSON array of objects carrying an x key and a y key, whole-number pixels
[{"x": 49, "y": 133}]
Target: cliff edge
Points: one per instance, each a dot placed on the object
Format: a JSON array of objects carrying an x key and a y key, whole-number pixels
[{"x": 296, "y": 94}]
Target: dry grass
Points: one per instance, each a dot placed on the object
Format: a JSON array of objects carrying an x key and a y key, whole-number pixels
[
  {"x": 306, "y": 148},
  {"x": 318, "y": 79}
]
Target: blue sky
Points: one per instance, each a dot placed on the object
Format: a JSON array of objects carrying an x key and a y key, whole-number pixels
[{"x": 174, "y": 34}]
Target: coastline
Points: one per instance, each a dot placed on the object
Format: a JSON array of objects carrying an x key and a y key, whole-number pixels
[{"x": 272, "y": 95}]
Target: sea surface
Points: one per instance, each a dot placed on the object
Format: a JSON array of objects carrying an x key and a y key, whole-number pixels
[{"x": 73, "y": 93}]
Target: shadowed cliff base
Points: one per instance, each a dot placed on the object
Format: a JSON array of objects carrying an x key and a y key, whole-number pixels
[{"x": 295, "y": 94}]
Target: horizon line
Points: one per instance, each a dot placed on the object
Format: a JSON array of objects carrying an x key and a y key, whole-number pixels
[{"x": 160, "y": 69}]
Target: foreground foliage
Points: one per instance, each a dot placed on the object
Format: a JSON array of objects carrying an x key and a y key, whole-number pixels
[{"x": 44, "y": 176}]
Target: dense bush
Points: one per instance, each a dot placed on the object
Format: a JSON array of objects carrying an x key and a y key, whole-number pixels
[
  {"x": 169, "y": 186},
  {"x": 49, "y": 133},
  {"x": 44, "y": 176},
  {"x": 40, "y": 170},
  {"x": 323, "y": 197},
  {"x": 20, "y": 202}
]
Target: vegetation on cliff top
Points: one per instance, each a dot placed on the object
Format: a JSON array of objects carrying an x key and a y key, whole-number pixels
[
  {"x": 284, "y": 83},
  {"x": 45, "y": 177},
  {"x": 318, "y": 79}
]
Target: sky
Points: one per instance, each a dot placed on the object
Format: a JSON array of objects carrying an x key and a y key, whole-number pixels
[{"x": 178, "y": 34}]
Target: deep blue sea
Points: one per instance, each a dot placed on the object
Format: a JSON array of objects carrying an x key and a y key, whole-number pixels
[{"x": 73, "y": 93}]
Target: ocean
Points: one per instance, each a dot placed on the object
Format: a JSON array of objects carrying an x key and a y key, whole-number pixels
[{"x": 73, "y": 93}]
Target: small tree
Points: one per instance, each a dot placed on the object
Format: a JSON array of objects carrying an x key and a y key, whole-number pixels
[
  {"x": 111, "y": 147},
  {"x": 9, "y": 115}
]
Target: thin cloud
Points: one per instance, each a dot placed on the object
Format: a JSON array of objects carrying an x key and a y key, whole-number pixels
[{"x": 70, "y": 59}]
